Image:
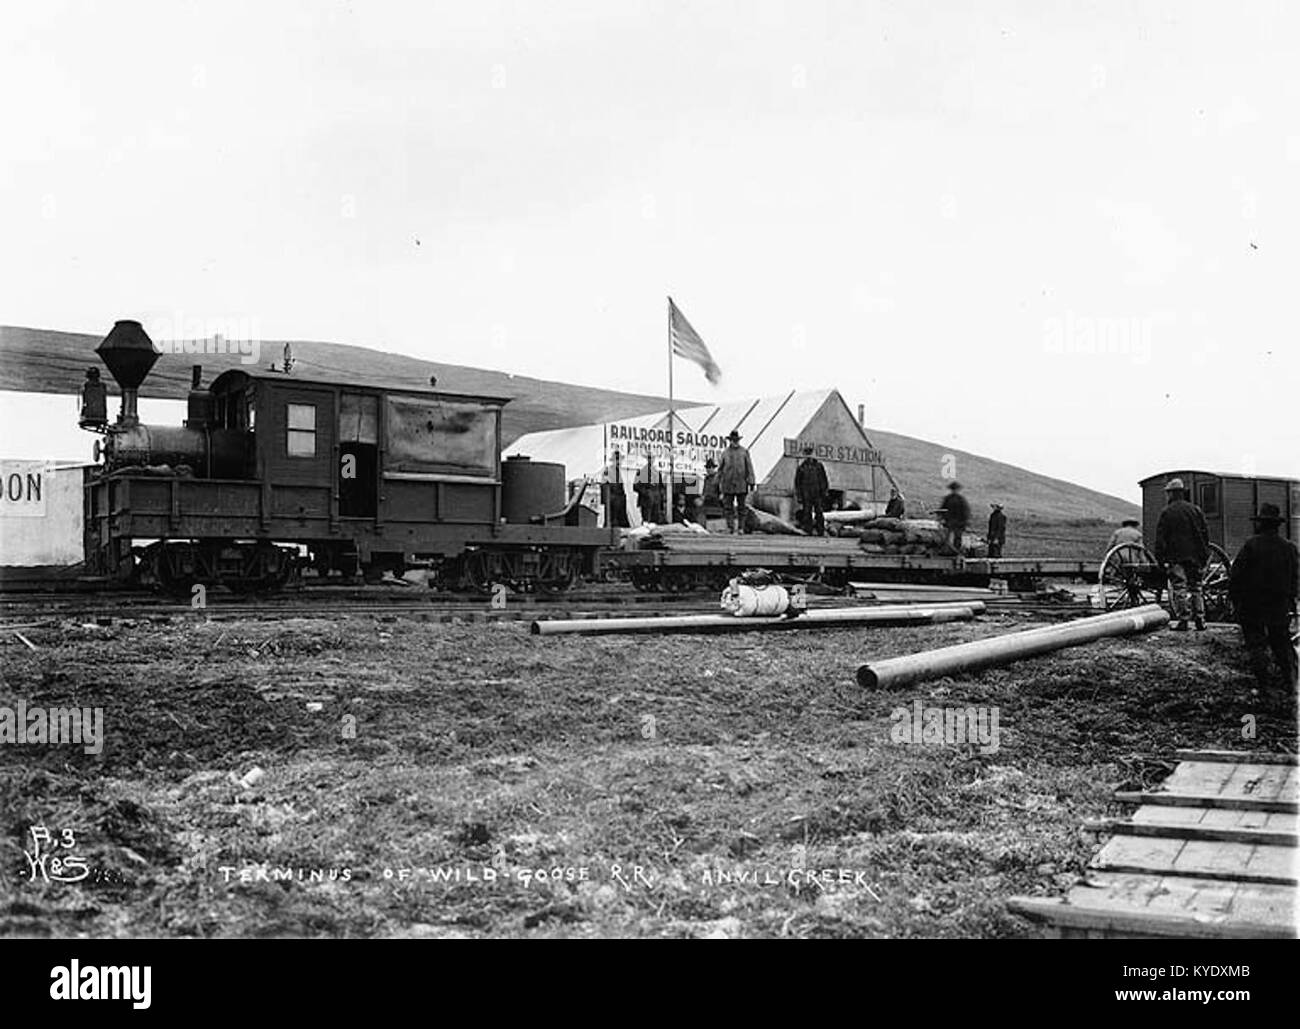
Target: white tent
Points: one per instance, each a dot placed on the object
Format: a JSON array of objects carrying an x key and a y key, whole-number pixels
[{"x": 774, "y": 429}]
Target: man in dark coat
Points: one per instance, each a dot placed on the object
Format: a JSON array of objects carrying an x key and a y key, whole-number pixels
[
  {"x": 650, "y": 495},
  {"x": 955, "y": 513},
  {"x": 997, "y": 531},
  {"x": 735, "y": 480},
  {"x": 894, "y": 509},
  {"x": 810, "y": 489},
  {"x": 1263, "y": 589},
  {"x": 711, "y": 494},
  {"x": 1183, "y": 548}
]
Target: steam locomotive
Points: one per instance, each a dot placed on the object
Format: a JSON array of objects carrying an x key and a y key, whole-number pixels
[{"x": 272, "y": 472}]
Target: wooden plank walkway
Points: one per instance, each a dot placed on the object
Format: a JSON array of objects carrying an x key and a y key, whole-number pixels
[{"x": 1211, "y": 853}]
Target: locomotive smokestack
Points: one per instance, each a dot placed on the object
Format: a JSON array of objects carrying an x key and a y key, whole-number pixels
[{"x": 128, "y": 352}]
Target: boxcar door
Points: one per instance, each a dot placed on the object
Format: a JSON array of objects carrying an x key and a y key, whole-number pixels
[{"x": 358, "y": 470}]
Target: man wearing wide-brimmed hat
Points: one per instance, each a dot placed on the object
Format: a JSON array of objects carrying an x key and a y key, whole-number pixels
[
  {"x": 1183, "y": 548},
  {"x": 1263, "y": 589},
  {"x": 735, "y": 480},
  {"x": 1127, "y": 535},
  {"x": 810, "y": 488},
  {"x": 997, "y": 537}
]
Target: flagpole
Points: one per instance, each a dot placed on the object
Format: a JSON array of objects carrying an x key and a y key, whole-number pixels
[{"x": 672, "y": 455}]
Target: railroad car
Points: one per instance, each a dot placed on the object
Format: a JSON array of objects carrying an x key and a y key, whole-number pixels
[
  {"x": 1130, "y": 575},
  {"x": 273, "y": 470},
  {"x": 1228, "y": 501}
]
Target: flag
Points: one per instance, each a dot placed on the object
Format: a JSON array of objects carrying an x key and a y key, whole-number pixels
[{"x": 687, "y": 344}]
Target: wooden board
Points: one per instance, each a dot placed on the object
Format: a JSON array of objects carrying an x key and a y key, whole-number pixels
[
  {"x": 1204, "y": 829},
  {"x": 1142, "y": 904},
  {"x": 1206, "y": 800},
  {"x": 1236, "y": 757}
]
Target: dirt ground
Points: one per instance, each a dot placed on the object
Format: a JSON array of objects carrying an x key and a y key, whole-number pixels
[{"x": 472, "y": 780}]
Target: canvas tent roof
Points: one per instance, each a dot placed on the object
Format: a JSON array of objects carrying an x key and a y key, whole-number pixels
[{"x": 764, "y": 423}]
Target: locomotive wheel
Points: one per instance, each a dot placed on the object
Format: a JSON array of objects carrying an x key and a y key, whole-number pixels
[
  {"x": 478, "y": 572},
  {"x": 560, "y": 582},
  {"x": 169, "y": 578},
  {"x": 1129, "y": 577}
]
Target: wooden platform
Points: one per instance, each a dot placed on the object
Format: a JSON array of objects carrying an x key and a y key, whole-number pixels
[{"x": 1212, "y": 853}]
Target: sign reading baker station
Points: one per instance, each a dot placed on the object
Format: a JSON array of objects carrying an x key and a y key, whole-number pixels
[{"x": 833, "y": 452}]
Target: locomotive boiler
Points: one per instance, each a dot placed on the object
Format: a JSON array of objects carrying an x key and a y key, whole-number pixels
[{"x": 273, "y": 470}]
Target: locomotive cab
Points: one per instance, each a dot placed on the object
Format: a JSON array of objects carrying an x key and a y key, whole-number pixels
[{"x": 270, "y": 466}]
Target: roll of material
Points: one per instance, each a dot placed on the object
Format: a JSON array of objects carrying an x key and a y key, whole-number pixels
[
  {"x": 896, "y": 672},
  {"x": 743, "y": 601}
]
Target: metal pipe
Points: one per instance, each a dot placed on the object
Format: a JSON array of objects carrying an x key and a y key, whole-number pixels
[
  {"x": 895, "y": 672},
  {"x": 817, "y": 619}
]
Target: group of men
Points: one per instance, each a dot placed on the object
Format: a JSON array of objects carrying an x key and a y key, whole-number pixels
[
  {"x": 954, "y": 515},
  {"x": 1263, "y": 585}
]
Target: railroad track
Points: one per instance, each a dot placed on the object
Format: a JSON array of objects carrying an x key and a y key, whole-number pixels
[
  {"x": 605, "y": 600},
  {"x": 446, "y": 614}
]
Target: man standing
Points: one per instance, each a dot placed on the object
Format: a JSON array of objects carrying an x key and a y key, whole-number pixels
[
  {"x": 1265, "y": 580},
  {"x": 650, "y": 494},
  {"x": 711, "y": 495},
  {"x": 956, "y": 516},
  {"x": 1127, "y": 535},
  {"x": 612, "y": 495},
  {"x": 997, "y": 531},
  {"x": 894, "y": 509},
  {"x": 735, "y": 480},
  {"x": 810, "y": 489},
  {"x": 1183, "y": 547}
]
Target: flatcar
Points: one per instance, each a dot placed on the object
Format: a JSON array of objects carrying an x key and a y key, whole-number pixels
[{"x": 273, "y": 471}]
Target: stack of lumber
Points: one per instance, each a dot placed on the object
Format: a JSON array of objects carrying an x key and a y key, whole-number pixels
[{"x": 1211, "y": 853}]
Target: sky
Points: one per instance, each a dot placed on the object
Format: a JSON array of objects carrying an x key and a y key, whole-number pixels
[{"x": 1060, "y": 234}]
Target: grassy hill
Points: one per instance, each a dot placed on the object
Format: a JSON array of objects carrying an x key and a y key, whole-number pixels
[
  {"x": 1047, "y": 515},
  {"x": 916, "y": 464},
  {"x": 44, "y": 361}
]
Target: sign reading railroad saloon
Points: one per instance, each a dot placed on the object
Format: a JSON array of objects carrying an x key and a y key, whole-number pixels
[
  {"x": 687, "y": 450},
  {"x": 833, "y": 452}
]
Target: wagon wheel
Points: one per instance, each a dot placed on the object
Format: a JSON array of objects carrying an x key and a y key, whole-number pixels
[
  {"x": 1214, "y": 585},
  {"x": 1129, "y": 577}
]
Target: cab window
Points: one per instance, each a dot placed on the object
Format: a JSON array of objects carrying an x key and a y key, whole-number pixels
[{"x": 302, "y": 430}]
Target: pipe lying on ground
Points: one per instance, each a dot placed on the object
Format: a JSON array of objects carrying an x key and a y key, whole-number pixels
[
  {"x": 896, "y": 672},
  {"x": 919, "y": 587},
  {"x": 816, "y": 619},
  {"x": 899, "y": 597}
]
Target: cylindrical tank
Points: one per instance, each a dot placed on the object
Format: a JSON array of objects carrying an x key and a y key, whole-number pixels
[
  {"x": 530, "y": 488},
  {"x": 218, "y": 453}
]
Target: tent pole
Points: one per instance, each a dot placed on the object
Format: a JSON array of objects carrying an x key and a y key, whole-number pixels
[{"x": 672, "y": 464}]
